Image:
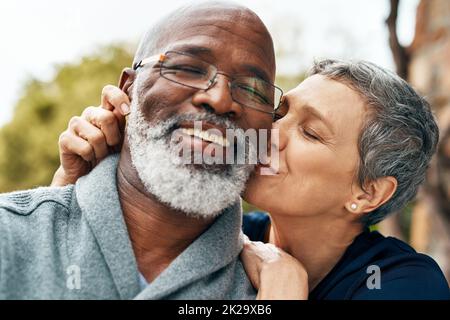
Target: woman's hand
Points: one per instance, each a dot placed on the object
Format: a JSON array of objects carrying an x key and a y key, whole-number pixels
[
  {"x": 274, "y": 273},
  {"x": 91, "y": 137}
]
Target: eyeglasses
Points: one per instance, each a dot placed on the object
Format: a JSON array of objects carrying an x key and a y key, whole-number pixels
[{"x": 192, "y": 72}]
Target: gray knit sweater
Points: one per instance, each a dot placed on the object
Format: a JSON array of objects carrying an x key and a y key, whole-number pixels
[{"x": 72, "y": 243}]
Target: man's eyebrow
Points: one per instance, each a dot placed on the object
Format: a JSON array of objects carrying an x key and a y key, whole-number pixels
[
  {"x": 316, "y": 114},
  {"x": 193, "y": 49},
  {"x": 200, "y": 50},
  {"x": 258, "y": 72}
]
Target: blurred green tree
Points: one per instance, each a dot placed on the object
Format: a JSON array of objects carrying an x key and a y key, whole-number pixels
[
  {"x": 29, "y": 143},
  {"x": 288, "y": 82}
]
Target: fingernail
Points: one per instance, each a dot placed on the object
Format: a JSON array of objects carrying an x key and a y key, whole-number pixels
[{"x": 125, "y": 109}]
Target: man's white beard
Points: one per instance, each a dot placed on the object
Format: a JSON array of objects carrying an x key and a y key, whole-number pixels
[{"x": 197, "y": 191}]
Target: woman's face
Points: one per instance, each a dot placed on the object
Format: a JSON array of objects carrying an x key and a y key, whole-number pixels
[{"x": 318, "y": 153}]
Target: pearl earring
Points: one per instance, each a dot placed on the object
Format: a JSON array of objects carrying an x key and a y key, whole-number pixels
[{"x": 354, "y": 206}]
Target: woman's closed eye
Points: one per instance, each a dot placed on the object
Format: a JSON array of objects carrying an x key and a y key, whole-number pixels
[{"x": 310, "y": 134}]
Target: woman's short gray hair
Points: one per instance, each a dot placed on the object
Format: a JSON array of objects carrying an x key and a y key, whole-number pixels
[{"x": 399, "y": 135}]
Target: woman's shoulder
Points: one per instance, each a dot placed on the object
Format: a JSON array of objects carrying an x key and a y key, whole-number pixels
[
  {"x": 418, "y": 273},
  {"x": 378, "y": 267},
  {"x": 395, "y": 254},
  {"x": 404, "y": 274},
  {"x": 255, "y": 225}
]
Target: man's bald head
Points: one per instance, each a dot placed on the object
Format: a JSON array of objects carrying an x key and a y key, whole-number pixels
[{"x": 196, "y": 15}]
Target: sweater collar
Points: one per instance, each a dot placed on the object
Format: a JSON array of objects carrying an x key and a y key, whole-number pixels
[{"x": 98, "y": 199}]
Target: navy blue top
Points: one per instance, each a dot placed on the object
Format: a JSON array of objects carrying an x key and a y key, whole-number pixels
[{"x": 404, "y": 273}]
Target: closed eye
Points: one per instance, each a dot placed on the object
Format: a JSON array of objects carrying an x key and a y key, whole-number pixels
[
  {"x": 310, "y": 134},
  {"x": 255, "y": 94},
  {"x": 184, "y": 68}
]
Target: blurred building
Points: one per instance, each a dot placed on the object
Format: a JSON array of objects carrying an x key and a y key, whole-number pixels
[{"x": 429, "y": 72}]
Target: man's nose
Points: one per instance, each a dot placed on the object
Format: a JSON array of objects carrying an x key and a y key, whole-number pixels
[{"x": 218, "y": 97}]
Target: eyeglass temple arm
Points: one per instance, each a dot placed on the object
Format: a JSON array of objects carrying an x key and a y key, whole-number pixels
[{"x": 155, "y": 58}]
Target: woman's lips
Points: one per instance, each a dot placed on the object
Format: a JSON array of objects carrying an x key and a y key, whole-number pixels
[{"x": 267, "y": 170}]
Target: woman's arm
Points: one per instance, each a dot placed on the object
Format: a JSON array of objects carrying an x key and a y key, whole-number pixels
[{"x": 274, "y": 273}]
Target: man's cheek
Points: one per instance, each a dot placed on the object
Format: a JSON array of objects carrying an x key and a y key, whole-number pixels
[{"x": 162, "y": 101}]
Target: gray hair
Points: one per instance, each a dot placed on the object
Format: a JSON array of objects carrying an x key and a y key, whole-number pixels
[{"x": 399, "y": 135}]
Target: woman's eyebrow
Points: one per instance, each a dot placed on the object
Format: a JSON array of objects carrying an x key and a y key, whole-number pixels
[{"x": 316, "y": 114}]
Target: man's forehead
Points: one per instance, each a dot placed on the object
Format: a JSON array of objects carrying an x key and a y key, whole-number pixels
[
  {"x": 210, "y": 39},
  {"x": 245, "y": 26},
  {"x": 216, "y": 26}
]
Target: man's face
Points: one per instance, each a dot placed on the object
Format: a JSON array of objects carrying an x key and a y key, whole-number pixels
[{"x": 236, "y": 46}]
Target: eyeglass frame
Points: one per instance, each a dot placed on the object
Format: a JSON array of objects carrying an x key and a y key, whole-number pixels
[{"x": 160, "y": 58}]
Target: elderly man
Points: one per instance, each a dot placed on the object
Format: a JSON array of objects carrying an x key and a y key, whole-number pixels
[{"x": 128, "y": 230}]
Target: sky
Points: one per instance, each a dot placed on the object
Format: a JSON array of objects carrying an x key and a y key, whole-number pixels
[{"x": 36, "y": 36}]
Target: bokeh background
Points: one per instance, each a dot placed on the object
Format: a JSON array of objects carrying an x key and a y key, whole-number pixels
[{"x": 56, "y": 56}]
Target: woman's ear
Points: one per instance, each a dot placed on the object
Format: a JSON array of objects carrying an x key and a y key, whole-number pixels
[
  {"x": 126, "y": 80},
  {"x": 376, "y": 193}
]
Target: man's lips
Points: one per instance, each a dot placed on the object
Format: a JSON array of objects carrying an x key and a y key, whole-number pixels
[{"x": 205, "y": 125}]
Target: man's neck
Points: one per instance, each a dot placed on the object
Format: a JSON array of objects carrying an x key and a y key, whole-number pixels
[
  {"x": 158, "y": 233},
  {"x": 317, "y": 244}
]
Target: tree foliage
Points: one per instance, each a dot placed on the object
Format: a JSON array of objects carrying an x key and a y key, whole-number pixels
[{"x": 29, "y": 143}]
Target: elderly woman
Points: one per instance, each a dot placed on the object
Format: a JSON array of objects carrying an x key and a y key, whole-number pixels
[{"x": 354, "y": 144}]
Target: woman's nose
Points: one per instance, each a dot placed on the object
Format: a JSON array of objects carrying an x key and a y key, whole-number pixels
[
  {"x": 279, "y": 137},
  {"x": 218, "y": 98}
]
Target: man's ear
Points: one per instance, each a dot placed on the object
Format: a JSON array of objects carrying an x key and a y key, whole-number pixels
[
  {"x": 126, "y": 80},
  {"x": 376, "y": 193}
]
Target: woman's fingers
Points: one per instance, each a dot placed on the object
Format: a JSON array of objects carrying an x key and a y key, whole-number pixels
[
  {"x": 71, "y": 144},
  {"x": 99, "y": 128},
  {"x": 114, "y": 98},
  {"x": 116, "y": 101},
  {"x": 91, "y": 137},
  {"x": 107, "y": 122},
  {"x": 264, "y": 252},
  {"x": 273, "y": 272},
  {"x": 90, "y": 133},
  {"x": 251, "y": 262}
]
